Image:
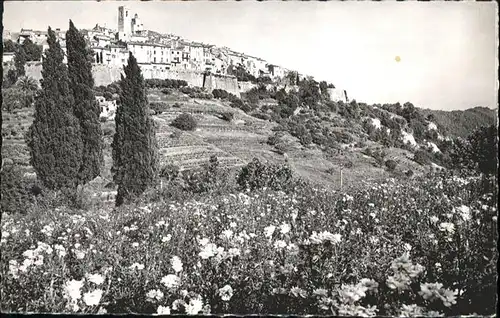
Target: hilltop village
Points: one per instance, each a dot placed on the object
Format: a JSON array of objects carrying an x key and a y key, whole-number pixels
[{"x": 164, "y": 56}]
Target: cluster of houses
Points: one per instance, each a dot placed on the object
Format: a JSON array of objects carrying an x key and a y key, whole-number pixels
[
  {"x": 154, "y": 50},
  {"x": 157, "y": 53}
]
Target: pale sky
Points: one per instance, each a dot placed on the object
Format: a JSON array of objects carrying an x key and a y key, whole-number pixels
[{"x": 448, "y": 50}]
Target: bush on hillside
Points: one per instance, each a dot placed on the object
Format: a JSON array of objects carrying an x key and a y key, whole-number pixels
[
  {"x": 274, "y": 139},
  {"x": 422, "y": 157},
  {"x": 211, "y": 177},
  {"x": 261, "y": 115},
  {"x": 257, "y": 175},
  {"x": 165, "y": 83},
  {"x": 241, "y": 74},
  {"x": 391, "y": 165},
  {"x": 169, "y": 172},
  {"x": 227, "y": 116},
  {"x": 196, "y": 92},
  {"x": 185, "y": 122},
  {"x": 158, "y": 107},
  {"x": 238, "y": 103},
  {"x": 220, "y": 93}
]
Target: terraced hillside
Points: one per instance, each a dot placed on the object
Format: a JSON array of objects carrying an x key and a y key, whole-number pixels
[
  {"x": 14, "y": 127},
  {"x": 235, "y": 143}
]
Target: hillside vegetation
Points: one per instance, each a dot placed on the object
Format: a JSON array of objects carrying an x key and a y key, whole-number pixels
[
  {"x": 461, "y": 123},
  {"x": 278, "y": 202}
]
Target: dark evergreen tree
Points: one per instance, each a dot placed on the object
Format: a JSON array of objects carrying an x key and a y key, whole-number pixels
[
  {"x": 87, "y": 110},
  {"x": 10, "y": 46},
  {"x": 54, "y": 138},
  {"x": 135, "y": 153},
  {"x": 32, "y": 50},
  {"x": 19, "y": 61},
  {"x": 484, "y": 149}
]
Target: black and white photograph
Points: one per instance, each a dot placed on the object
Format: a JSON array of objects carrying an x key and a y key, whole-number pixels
[{"x": 325, "y": 158}]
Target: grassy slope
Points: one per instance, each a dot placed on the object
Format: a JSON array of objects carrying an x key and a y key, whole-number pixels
[
  {"x": 234, "y": 143},
  {"x": 244, "y": 138},
  {"x": 462, "y": 123}
]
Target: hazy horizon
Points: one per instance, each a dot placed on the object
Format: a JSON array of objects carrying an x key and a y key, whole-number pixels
[{"x": 448, "y": 50}]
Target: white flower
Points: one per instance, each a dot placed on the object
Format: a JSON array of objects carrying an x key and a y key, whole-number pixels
[
  {"x": 79, "y": 254},
  {"x": 13, "y": 268},
  {"x": 284, "y": 228},
  {"x": 465, "y": 212},
  {"x": 294, "y": 249},
  {"x": 374, "y": 240},
  {"x": 5, "y": 234},
  {"x": 167, "y": 238},
  {"x": 60, "y": 250},
  {"x": 29, "y": 254},
  {"x": 176, "y": 264},
  {"x": 194, "y": 306},
  {"x": 434, "y": 219},
  {"x": 163, "y": 310},
  {"x": 279, "y": 244},
  {"x": 226, "y": 293},
  {"x": 72, "y": 289},
  {"x": 135, "y": 244},
  {"x": 170, "y": 281},
  {"x": 234, "y": 252},
  {"x": 269, "y": 230},
  {"x": 232, "y": 224},
  {"x": 447, "y": 227},
  {"x": 204, "y": 241},
  {"x": 227, "y": 234},
  {"x": 95, "y": 278},
  {"x": 155, "y": 294},
  {"x": 137, "y": 266},
  {"x": 92, "y": 298},
  {"x": 26, "y": 263},
  {"x": 325, "y": 236},
  {"x": 208, "y": 251}
]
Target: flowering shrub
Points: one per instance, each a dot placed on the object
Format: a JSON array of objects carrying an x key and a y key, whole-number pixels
[{"x": 423, "y": 248}]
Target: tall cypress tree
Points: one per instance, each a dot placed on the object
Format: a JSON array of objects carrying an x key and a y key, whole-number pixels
[
  {"x": 135, "y": 153},
  {"x": 87, "y": 110},
  {"x": 54, "y": 138},
  {"x": 20, "y": 61}
]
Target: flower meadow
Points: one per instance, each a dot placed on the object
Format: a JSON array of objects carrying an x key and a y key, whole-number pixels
[{"x": 408, "y": 248}]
